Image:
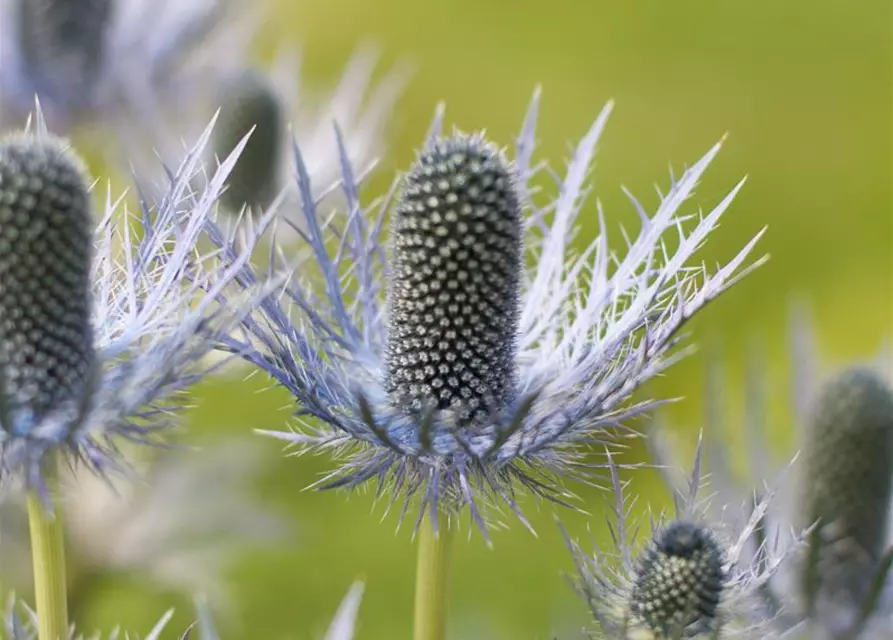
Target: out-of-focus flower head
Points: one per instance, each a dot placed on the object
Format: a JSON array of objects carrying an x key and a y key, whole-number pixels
[
  {"x": 269, "y": 103},
  {"x": 840, "y": 585},
  {"x": 21, "y": 622},
  {"x": 692, "y": 579},
  {"x": 187, "y": 516},
  {"x": 101, "y": 328},
  {"x": 132, "y": 63},
  {"x": 477, "y": 373}
]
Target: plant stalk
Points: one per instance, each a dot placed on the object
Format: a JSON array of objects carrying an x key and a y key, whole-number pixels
[
  {"x": 48, "y": 556},
  {"x": 432, "y": 580}
]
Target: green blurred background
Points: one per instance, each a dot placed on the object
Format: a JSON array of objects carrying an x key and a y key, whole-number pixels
[{"x": 803, "y": 88}]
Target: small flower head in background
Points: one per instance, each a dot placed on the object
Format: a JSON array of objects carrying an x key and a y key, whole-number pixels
[
  {"x": 266, "y": 102},
  {"x": 691, "y": 580},
  {"x": 249, "y": 105},
  {"x": 100, "y": 329},
  {"x": 475, "y": 373},
  {"x": 180, "y": 524},
  {"x": 840, "y": 585}
]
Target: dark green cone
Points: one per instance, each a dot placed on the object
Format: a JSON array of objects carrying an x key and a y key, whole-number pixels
[
  {"x": 678, "y": 583},
  {"x": 455, "y": 283},
  {"x": 249, "y": 101},
  {"x": 46, "y": 244},
  {"x": 847, "y": 485}
]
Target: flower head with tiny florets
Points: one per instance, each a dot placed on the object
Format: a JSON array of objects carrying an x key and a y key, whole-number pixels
[
  {"x": 473, "y": 373},
  {"x": 693, "y": 579},
  {"x": 98, "y": 332}
]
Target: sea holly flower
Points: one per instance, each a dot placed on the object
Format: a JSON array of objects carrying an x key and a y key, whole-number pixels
[
  {"x": 480, "y": 353},
  {"x": 840, "y": 586},
  {"x": 691, "y": 579},
  {"x": 99, "y": 334}
]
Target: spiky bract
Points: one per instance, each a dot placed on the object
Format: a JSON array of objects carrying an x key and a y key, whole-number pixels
[
  {"x": 147, "y": 327},
  {"x": 455, "y": 282},
  {"x": 63, "y": 46},
  {"x": 46, "y": 233},
  {"x": 591, "y": 328},
  {"x": 249, "y": 104}
]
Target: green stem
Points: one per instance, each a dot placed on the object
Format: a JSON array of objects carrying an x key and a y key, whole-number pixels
[
  {"x": 48, "y": 555},
  {"x": 432, "y": 581}
]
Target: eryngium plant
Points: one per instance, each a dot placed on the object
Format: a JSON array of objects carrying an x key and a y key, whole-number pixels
[
  {"x": 479, "y": 373},
  {"x": 98, "y": 332},
  {"x": 692, "y": 579},
  {"x": 840, "y": 586},
  {"x": 23, "y": 626}
]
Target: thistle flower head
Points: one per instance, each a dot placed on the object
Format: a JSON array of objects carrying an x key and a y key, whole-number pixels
[
  {"x": 839, "y": 586},
  {"x": 679, "y": 581},
  {"x": 472, "y": 372},
  {"x": 847, "y": 458},
  {"x": 98, "y": 332},
  {"x": 46, "y": 341},
  {"x": 454, "y": 293},
  {"x": 692, "y": 579},
  {"x": 249, "y": 105}
]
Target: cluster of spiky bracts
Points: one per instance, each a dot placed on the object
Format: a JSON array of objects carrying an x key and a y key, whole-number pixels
[{"x": 838, "y": 585}]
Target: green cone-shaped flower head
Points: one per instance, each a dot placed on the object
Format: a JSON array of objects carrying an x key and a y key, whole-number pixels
[
  {"x": 46, "y": 344},
  {"x": 848, "y": 452},
  {"x": 249, "y": 104},
  {"x": 455, "y": 283},
  {"x": 678, "y": 584}
]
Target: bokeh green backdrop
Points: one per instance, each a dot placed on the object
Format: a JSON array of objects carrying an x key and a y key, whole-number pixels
[{"x": 804, "y": 89}]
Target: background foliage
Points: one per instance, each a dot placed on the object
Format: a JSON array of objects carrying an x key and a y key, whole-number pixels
[{"x": 803, "y": 88}]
